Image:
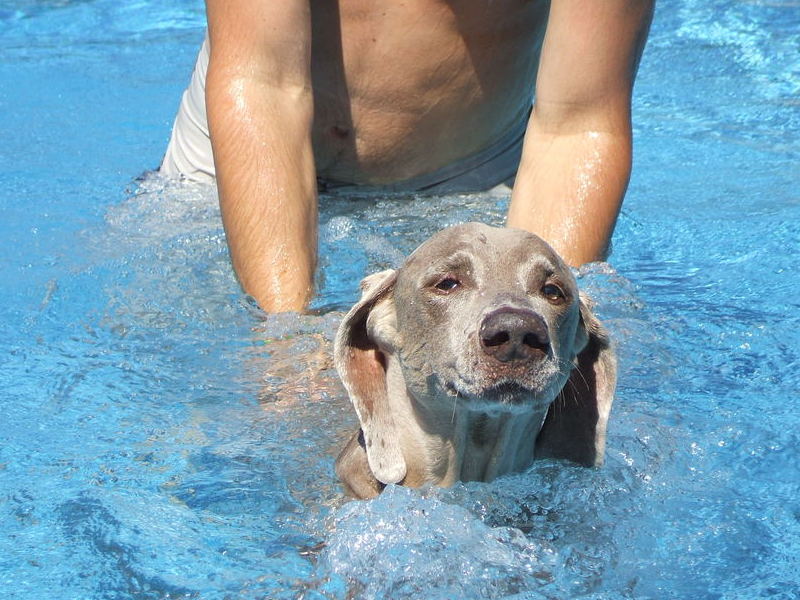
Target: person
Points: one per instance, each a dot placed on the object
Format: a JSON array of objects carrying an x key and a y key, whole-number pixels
[{"x": 290, "y": 98}]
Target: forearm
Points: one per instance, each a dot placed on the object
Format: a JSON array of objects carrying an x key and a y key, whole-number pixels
[
  {"x": 267, "y": 186},
  {"x": 576, "y": 161},
  {"x": 570, "y": 186}
]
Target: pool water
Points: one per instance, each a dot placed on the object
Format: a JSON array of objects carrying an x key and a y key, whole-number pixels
[{"x": 160, "y": 438}]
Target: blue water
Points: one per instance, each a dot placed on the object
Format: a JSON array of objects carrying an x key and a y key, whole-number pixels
[{"x": 161, "y": 439}]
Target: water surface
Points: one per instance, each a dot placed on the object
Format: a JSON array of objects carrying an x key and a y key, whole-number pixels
[{"x": 160, "y": 438}]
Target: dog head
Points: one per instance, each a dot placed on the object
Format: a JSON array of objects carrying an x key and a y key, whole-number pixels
[{"x": 490, "y": 319}]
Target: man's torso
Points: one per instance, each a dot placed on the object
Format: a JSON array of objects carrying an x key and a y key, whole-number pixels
[{"x": 405, "y": 87}]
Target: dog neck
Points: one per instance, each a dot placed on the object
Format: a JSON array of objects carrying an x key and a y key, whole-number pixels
[
  {"x": 490, "y": 443},
  {"x": 460, "y": 441}
]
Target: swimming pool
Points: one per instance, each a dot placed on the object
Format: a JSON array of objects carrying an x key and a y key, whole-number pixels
[{"x": 159, "y": 439}]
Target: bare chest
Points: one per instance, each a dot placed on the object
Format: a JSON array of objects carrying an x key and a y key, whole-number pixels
[{"x": 397, "y": 83}]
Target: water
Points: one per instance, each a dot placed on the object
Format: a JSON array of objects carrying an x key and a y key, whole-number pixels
[{"x": 162, "y": 439}]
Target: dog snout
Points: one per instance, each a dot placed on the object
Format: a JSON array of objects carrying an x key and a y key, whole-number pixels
[{"x": 511, "y": 334}]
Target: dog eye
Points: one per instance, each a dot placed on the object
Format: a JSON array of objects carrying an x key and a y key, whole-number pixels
[
  {"x": 553, "y": 293},
  {"x": 448, "y": 284}
]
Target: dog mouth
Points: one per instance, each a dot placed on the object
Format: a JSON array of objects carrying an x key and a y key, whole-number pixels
[
  {"x": 509, "y": 384},
  {"x": 503, "y": 398},
  {"x": 507, "y": 392}
]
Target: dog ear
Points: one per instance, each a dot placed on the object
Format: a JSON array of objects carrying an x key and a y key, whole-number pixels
[
  {"x": 365, "y": 334},
  {"x": 575, "y": 425}
]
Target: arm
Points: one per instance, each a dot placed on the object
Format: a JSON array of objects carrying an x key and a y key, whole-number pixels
[
  {"x": 260, "y": 109},
  {"x": 576, "y": 160}
]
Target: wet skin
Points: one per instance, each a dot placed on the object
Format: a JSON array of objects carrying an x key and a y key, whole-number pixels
[
  {"x": 397, "y": 95},
  {"x": 367, "y": 93}
]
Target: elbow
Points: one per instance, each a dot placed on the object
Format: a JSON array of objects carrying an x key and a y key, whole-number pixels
[
  {"x": 246, "y": 92},
  {"x": 608, "y": 115}
]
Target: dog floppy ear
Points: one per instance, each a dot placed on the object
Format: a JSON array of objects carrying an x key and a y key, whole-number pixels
[
  {"x": 365, "y": 334},
  {"x": 575, "y": 426}
]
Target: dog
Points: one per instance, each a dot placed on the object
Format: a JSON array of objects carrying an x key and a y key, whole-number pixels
[{"x": 475, "y": 356}]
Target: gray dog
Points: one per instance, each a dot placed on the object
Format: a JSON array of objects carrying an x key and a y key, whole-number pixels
[{"x": 475, "y": 356}]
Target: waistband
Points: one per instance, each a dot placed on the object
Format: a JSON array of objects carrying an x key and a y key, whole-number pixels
[
  {"x": 478, "y": 172},
  {"x": 189, "y": 153}
]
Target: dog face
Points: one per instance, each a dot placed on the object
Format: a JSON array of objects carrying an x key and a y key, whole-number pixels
[
  {"x": 481, "y": 330},
  {"x": 489, "y": 316}
]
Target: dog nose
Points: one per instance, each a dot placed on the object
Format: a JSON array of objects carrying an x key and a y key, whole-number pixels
[{"x": 512, "y": 334}]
